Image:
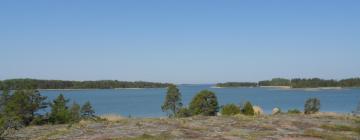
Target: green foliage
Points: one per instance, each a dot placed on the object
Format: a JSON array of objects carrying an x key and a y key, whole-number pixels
[
  {"x": 312, "y": 105},
  {"x": 294, "y": 111},
  {"x": 9, "y": 123},
  {"x": 248, "y": 109},
  {"x": 87, "y": 112},
  {"x": 59, "y": 111},
  {"x": 183, "y": 112},
  {"x": 230, "y": 109},
  {"x": 172, "y": 102},
  {"x": 311, "y": 82},
  {"x": 24, "y": 104},
  {"x": 351, "y": 82},
  {"x": 75, "y": 112},
  {"x": 204, "y": 103},
  {"x": 275, "y": 82},
  {"x": 237, "y": 84},
  {"x": 4, "y": 98},
  {"x": 16, "y": 84}
]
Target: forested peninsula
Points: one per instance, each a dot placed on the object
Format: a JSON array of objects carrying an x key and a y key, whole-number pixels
[
  {"x": 297, "y": 83},
  {"x": 15, "y": 84}
]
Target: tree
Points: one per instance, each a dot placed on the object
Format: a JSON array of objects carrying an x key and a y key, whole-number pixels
[
  {"x": 4, "y": 98},
  {"x": 312, "y": 105},
  {"x": 230, "y": 109},
  {"x": 75, "y": 112},
  {"x": 248, "y": 109},
  {"x": 87, "y": 111},
  {"x": 172, "y": 102},
  {"x": 23, "y": 104},
  {"x": 59, "y": 111},
  {"x": 204, "y": 103}
]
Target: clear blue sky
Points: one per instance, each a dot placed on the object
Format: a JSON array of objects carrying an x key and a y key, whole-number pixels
[{"x": 180, "y": 41}]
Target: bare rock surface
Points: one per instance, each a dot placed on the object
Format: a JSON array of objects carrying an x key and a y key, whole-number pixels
[{"x": 239, "y": 127}]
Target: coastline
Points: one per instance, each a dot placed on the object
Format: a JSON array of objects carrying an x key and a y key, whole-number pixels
[
  {"x": 281, "y": 87},
  {"x": 290, "y": 88},
  {"x": 95, "y": 89}
]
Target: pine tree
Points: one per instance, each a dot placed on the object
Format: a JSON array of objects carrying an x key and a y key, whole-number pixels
[
  {"x": 172, "y": 103},
  {"x": 59, "y": 111}
]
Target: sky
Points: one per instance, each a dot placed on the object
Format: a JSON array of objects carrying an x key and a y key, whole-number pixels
[{"x": 179, "y": 41}]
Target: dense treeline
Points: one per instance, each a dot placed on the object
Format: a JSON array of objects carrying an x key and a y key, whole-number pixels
[
  {"x": 317, "y": 82},
  {"x": 275, "y": 82},
  {"x": 237, "y": 84},
  {"x": 297, "y": 83},
  {"x": 15, "y": 84}
]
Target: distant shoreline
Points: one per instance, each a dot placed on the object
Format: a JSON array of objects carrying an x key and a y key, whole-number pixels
[
  {"x": 98, "y": 89},
  {"x": 288, "y": 87}
]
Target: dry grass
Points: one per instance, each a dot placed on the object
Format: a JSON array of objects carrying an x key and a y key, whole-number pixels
[{"x": 113, "y": 117}]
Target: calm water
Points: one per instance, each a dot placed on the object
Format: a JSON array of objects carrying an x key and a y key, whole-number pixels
[{"x": 147, "y": 102}]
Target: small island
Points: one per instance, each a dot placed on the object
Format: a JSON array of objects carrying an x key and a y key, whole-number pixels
[
  {"x": 297, "y": 83},
  {"x": 237, "y": 84}
]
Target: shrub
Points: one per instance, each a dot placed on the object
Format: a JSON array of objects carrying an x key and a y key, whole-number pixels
[
  {"x": 248, "y": 109},
  {"x": 230, "y": 109},
  {"x": 294, "y": 111},
  {"x": 87, "y": 112},
  {"x": 183, "y": 112},
  {"x": 204, "y": 103},
  {"x": 75, "y": 112},
  {"x": 312, "y": 105}
]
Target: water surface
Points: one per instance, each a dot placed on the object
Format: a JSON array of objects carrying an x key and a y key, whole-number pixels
[{"x": 147, "y": 102}]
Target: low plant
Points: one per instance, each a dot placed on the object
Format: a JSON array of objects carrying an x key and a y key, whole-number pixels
[
  {"x": 248, "y": 109},
  {"x": 230, "y": 109},
  {"x": 294, "y": 111},
  {"x": 312, "y": 106},
  {"x": 183, "y": 112}
]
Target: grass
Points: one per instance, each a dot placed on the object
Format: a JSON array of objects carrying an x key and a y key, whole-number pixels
[
  {"x": 324, "y": 135},
  {"x": 112, "y": 117},
  {"x": 340, "y": 128},
  {"x": 162, "y": 136}
]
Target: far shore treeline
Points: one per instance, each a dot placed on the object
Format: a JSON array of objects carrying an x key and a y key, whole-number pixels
[
  {"x": 297, "y": 83},
  {"x": 14, "y": 84}
]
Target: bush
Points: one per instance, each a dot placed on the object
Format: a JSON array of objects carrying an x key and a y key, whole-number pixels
[
  {"x": 312, "y": 105},
  {"x": 294, "y": 111},
  {"x": 204, "y": 103},
  {"x": 248, "y": 109},
  {"x": 230, "y": 109},
  {"x": 75, "y": 112},
  {"x": 87, "y": 112},
  {"x": 183, "y": 112}
]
